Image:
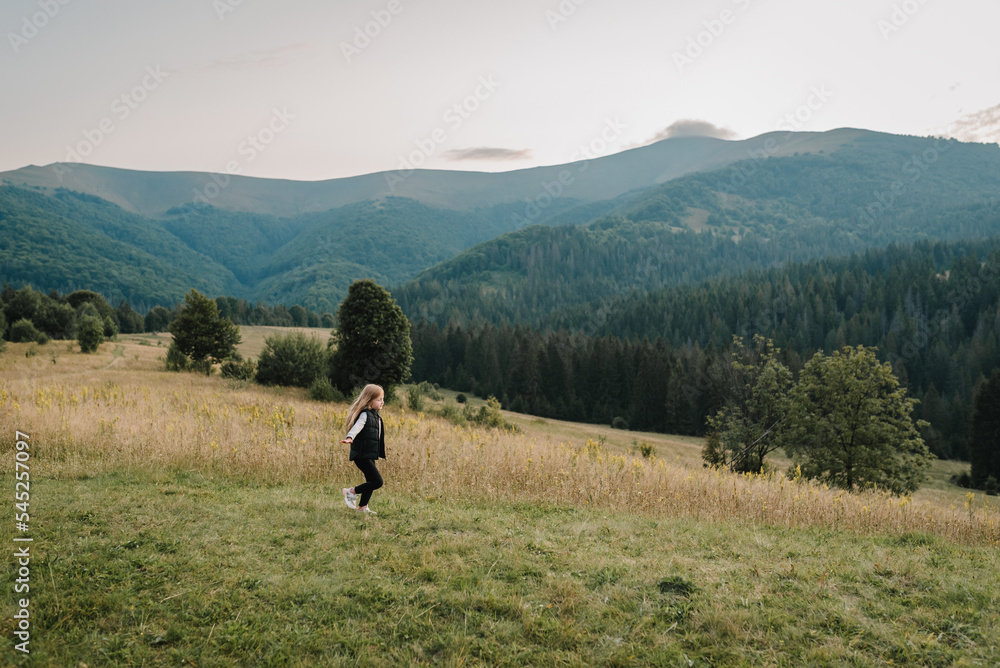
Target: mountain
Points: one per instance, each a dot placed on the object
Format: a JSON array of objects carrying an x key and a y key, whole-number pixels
[
  {"x": 868, "y": 192},
  {"x": 544, "y": 244},
  {"x": 154, "y": 193}
]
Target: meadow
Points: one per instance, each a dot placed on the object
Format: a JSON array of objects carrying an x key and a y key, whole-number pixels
[{"x": 181, "y": 519}]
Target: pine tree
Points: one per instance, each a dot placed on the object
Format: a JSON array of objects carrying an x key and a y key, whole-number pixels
[
  {"x": 372, "y": 340},
  {"x": 984, "y": 443}
]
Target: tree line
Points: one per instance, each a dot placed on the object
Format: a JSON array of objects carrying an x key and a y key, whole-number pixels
[
  {"x": 655, "y": 360},
  {"x": 27, "y": 314}
]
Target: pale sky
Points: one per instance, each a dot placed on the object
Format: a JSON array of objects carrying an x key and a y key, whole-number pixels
[{"x": 298, "y": 90}]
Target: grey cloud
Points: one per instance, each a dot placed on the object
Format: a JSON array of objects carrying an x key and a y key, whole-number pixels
[
  {"x": 689, "y": 127},
  {"x": 486, "y": 153}
]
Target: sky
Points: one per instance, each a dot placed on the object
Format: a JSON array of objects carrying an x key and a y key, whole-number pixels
[{"x": 321, "y": 89}]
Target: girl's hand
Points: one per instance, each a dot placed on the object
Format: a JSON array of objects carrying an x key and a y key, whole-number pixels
[{"x": 348, "y": 440}]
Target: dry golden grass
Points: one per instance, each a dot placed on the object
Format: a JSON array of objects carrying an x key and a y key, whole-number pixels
[{"x": 117, "y": 410}]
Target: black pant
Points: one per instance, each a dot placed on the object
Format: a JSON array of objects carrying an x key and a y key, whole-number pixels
[{"x": 373, "y": 480}]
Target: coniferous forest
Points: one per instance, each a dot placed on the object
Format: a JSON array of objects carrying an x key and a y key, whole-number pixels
[{"x": 653, "y": 361}]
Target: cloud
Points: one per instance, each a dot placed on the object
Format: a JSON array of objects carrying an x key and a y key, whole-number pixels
[
  {"x": 980, "y": 126},
  {"x": 689, "y": 127},
  {"x": 486, "y": 153}
]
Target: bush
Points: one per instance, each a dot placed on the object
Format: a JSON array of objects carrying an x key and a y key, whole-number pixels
[
  {"x": 461, "y": 398},
  {"x": 488, "y": 415},
  {"x": 202, "y": 366},
  {"x": 24, "y": 331},
  {"x": 323, "y": 390},
  {"x": 293, "y": 359},
  {"x": 238, "y": 369},
  {"x": 453, "y": 415},
  {"x": 991, "y": 486},
  {"x": 414, "y": 398},
  {"x": 430, "y": 391},
  {"x": 89, "y": 333},
  {"x": 619, "y": 423},
  {"x": 176, "y": 360}
]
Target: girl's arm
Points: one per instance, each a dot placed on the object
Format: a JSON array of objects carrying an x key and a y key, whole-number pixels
[{"x": 356, "y": 429}]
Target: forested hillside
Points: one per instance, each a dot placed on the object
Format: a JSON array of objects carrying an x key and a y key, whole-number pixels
[
  {"x": 654, "y": 359},
  {"x": 758, "y": 213},
  {"x": 71, "y": 241}
]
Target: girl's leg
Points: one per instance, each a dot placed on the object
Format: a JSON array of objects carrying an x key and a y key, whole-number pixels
[{"x": 373, "y": 480}]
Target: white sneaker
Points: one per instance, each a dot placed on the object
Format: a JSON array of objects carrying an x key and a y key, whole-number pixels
[
  {"x": 367, "y": 511},
  {"x": 350, "y": 498}
]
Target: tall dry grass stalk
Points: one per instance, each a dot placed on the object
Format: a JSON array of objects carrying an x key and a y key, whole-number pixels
[{"x": 115, "y": 418}]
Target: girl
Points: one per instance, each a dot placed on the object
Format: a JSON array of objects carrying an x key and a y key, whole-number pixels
[{"x": 367, "y": 441}]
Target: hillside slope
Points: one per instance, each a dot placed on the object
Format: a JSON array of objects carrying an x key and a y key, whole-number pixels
[
  {"x": 588, "y": 178},
  {"x": 874, "y": 191}
]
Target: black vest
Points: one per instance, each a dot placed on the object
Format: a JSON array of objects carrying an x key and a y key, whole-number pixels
[{"x": 370, "y": 441}]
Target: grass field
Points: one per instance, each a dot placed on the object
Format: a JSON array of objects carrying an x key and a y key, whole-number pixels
[{"x": 180, "y": 519}]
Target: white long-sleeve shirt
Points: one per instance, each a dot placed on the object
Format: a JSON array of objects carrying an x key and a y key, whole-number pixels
[{"x": 359, "y": 425}]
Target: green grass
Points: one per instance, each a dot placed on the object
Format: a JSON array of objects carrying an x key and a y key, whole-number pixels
[{"x": 175, "y": 568}]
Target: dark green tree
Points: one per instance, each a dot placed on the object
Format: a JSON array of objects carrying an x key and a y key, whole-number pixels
[
  {"x": 157, "y": 320},
  {"x": 24, "y": 331},
  {"x": 200, "y": 334},
  {"x": 372, "y": 341},
  {"x": 748, "y": 427},
  {"x": 850, "y": 425},
  {"x": 984, "y": 443},
  {"x": 56, "y": 319},
  {"x": 23, "y": 304},
  {"x": 90, "y": 333},
  {"x": 129, "y": 322}
]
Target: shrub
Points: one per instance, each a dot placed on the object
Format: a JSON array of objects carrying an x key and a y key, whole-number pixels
[
  {"x": 488, "y": 415},
  {"x": 430, "y": 391},
  {"x": 461, "y": 398},
  {"x": 323, "y": 390},
  {"x": 293, "y": 359},
  {"x": 414, "y": 398},
  {"x": 453, "y": 415},
  {"x": 89, "y": 333},
  {"x": 619, "y": 423},
  {"x": 176, "y": 360},
  {"x": 24, "y": 331},
  {"x": 238, "y": 369}
]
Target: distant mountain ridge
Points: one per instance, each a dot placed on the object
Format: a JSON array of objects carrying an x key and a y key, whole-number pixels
[
  {"x": 873, "y": 191},
  {"x": 539, "y": 244},
  {"x": 154, "y": 193}
]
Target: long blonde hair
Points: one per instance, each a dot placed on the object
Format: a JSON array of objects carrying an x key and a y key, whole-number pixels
[{"x": 368, "y": 394}]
